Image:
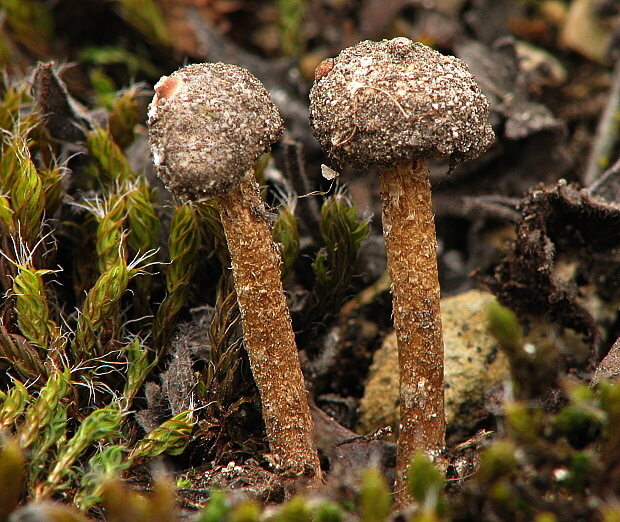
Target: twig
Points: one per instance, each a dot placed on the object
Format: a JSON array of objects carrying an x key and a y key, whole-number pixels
[
  {"x": 606, "y": 132},
  {"x": 607, "y": 186}
]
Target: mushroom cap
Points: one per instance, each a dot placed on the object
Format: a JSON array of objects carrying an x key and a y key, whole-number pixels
[
  {"x": 208, "y": 124},
  {"x": 388, "y": 102}
]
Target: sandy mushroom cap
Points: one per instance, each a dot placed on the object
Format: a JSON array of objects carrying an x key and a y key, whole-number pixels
[
  {"x": 208, "y": 124},
  {"x": 381, "y": 103}
]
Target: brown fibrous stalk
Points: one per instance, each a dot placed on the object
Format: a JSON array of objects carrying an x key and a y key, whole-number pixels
[
  {"x": 409, "y": 230},
  {"x": 268, "y": 334}
]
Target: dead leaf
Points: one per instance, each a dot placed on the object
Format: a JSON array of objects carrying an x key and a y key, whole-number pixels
[
  {"x": 64, "y": 119},
  {"x": 501, "y": 79}
]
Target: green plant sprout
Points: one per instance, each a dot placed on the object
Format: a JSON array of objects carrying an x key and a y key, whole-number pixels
[{"x": 291, "y": 14}]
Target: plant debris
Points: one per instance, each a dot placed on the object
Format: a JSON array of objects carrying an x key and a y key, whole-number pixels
[{"x": 556, "y": 223}]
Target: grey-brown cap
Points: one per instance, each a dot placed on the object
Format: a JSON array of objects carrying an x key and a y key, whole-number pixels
[
  {"x": 208, "y": 124},
  {"x": 382, "y": 103}
]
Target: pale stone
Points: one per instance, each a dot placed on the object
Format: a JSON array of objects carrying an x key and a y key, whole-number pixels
[{"x": 474, "y": 366}]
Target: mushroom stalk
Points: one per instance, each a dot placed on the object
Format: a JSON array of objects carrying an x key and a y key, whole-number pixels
[
  {"x": 208, "y": 126},
  {"x": 267, "y": 330},
  {"x": 393, "y": 104},
  {"x": 409, "y": 230}
]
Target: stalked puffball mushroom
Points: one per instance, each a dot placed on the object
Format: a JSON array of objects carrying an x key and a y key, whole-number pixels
[
  {"x": 393, "y": 104},
  {"x": 209, "y": 124}
]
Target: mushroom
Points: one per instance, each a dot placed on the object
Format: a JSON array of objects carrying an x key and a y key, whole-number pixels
[
  {"x": 393, "y": 104},
  {"x": 209, "y": 124}
]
